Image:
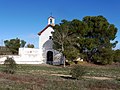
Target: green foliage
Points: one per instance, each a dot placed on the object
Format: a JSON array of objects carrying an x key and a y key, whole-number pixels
[
  {"x": 30, "y": 46},
  {"x": 78, "y": 71},
  {"x": 89, "y": 39},
  {"x": 73, "y": 53},
  {"x": 14, "y": 45},
  {"x": 60, "y": 36},
  {"x": 99, "y": 33},
  {"x": 10, "y": 66},
  {"x": 103, "y": 56},
  {"x": 23, "y": 43},
  {"x": 117, "y": 55}
]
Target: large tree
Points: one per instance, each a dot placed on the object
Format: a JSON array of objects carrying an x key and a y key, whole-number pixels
[
  {"x": 14, "y": 45},
  {"x": 90, "y": 39},
  {"x": 98, "y": 37}
]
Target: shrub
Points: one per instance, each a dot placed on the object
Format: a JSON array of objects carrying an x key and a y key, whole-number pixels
[
  {"x": 103, "y": 56},
  {"x": 10, "y": 65},
  {"x": 78, "y": 71}
]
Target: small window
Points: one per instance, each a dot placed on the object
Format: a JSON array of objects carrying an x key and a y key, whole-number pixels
[
  {"x": 50, "y": 37},
  {"x": 50, "y": 21}
]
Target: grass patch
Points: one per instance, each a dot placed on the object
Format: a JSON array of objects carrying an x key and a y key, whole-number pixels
[{"x": 39, "y": 77}]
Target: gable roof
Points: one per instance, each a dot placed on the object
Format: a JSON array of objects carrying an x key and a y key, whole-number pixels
[{"x": 44, "y": 29}]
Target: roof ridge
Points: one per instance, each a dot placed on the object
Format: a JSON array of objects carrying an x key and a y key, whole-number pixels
[{"x": 44, "y": 29}]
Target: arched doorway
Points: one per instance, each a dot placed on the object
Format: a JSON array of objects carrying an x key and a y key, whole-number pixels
[{"x": 50, "y": 57}]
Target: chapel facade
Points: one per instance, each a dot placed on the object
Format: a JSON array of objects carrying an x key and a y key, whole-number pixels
[{"x": 48, "y": 54}]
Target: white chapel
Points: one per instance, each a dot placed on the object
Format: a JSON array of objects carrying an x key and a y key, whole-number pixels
[
  {"x": 45, "y": 54},
  {"x": 46, "y": 43}
]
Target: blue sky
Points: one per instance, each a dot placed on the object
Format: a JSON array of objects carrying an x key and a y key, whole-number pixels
[{"x": 25, "y": 18}]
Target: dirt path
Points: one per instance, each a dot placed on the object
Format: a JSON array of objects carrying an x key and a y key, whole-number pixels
[{"x": 98, "y": 78}]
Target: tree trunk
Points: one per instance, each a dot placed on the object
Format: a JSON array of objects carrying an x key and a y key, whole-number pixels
[
  {"x": 64, "y": 61},
  {"x": 63, "y": 54}
]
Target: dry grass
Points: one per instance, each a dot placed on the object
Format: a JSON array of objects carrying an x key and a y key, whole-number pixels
[{"x": 46, "y": 77}]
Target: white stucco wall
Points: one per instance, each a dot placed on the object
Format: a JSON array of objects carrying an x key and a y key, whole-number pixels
[
  {"x": 26, "y": 56},
  {"x": 45, "y": 36},
  {"x": 30, "y": 56}
]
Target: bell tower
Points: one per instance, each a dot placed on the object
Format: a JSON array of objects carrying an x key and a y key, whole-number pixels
[{"x": 51, "y": 21}]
